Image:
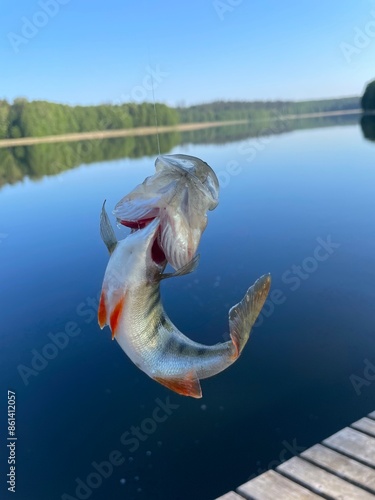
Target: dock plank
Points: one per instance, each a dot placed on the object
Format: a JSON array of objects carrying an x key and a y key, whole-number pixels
[
  {"x": 231, "y": 495},
  {"x": 321, "y": 481},
  {"x": 353, "y": 443},
  {"x": 271, "y": 485},
  {"x": 365, "y": 425},
  {"x": 341, "y": 465}
]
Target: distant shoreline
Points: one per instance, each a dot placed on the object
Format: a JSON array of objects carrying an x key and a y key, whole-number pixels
[
  {"x": 139, "y": 131},
  {"x": 109, "y": 134},
  {"x": 324, "y": 113}
]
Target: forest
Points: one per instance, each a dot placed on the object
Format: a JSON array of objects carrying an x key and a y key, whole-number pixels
[
  {"x": 368, "y": 98},
  {"x": 262, "y": 110},
  {"x": 40, "y": 118},
  {"x": 368, "y": 107}
]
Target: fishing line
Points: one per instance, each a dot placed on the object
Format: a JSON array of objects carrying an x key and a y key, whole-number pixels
[
  {"x": 156, "y": 118},
  {"x": 153, "y": 98}
]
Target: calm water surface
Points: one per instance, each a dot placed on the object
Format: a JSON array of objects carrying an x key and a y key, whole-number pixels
[{"x": 299, "y": 205}]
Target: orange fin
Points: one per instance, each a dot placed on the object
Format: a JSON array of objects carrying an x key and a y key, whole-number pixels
[
  {"x": 102, "y": 311},
  {"x": 236, "y": 344},
  {"x": 243, "y": 315},
  {"x": 188, "y": 386},
  {"x": 115, "y": 316}
]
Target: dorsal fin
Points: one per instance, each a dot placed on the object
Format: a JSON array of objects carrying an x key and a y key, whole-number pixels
[{"x": 106, "y": 231}]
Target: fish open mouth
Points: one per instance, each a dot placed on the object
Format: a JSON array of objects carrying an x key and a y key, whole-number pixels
[
  {"x": 136, "y": 224},
  {"x": 157, "y": 254}
]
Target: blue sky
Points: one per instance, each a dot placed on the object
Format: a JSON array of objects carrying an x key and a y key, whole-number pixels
[{"x": 88, "y": 52}]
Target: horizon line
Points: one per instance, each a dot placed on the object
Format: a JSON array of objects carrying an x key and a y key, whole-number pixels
[{"x": 202, "y": 103}]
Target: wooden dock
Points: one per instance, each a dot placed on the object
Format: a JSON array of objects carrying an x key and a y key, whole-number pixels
[{"x": 342, "y": 467}]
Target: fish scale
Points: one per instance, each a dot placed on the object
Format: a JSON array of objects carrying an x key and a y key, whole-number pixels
[{"x": 144, "y": 330}]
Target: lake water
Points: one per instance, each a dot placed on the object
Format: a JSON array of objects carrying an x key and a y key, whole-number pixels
[{"x": 300, "y": 205}]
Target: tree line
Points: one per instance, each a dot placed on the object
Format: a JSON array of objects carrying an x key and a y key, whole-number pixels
[
  {"x": 368, "y": 106},
  {"x": 262, "y": 110},
  {"x": 40, "y": 118},
  {"x": 368, "y": 98}
]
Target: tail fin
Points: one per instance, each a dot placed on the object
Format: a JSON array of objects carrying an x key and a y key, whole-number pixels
[{"x": 243, "y": 315}]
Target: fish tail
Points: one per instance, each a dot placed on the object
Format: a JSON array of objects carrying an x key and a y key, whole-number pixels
[{"x": 243, "y": 315}]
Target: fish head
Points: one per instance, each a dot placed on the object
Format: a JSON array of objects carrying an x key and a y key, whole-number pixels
[
  {"x": 142, "y": 255},
  {"x": 130, "y": 267},
  {"x": 131, "y": 263}
]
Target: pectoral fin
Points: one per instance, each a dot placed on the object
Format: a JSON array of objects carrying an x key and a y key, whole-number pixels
[
  {"x": 187, "y": 386},
  {"x": 187, "y": 269}
]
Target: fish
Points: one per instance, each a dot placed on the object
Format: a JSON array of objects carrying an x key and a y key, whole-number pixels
[
  {"x": 130, "y": 303},
  {"x": 180, "y": 193}
]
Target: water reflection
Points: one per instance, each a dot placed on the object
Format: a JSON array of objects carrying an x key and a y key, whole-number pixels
[
  {"x": 293, "y": 385},
  {"x": 50, "y": 159},
  {"x": 368, "y": 127}
]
